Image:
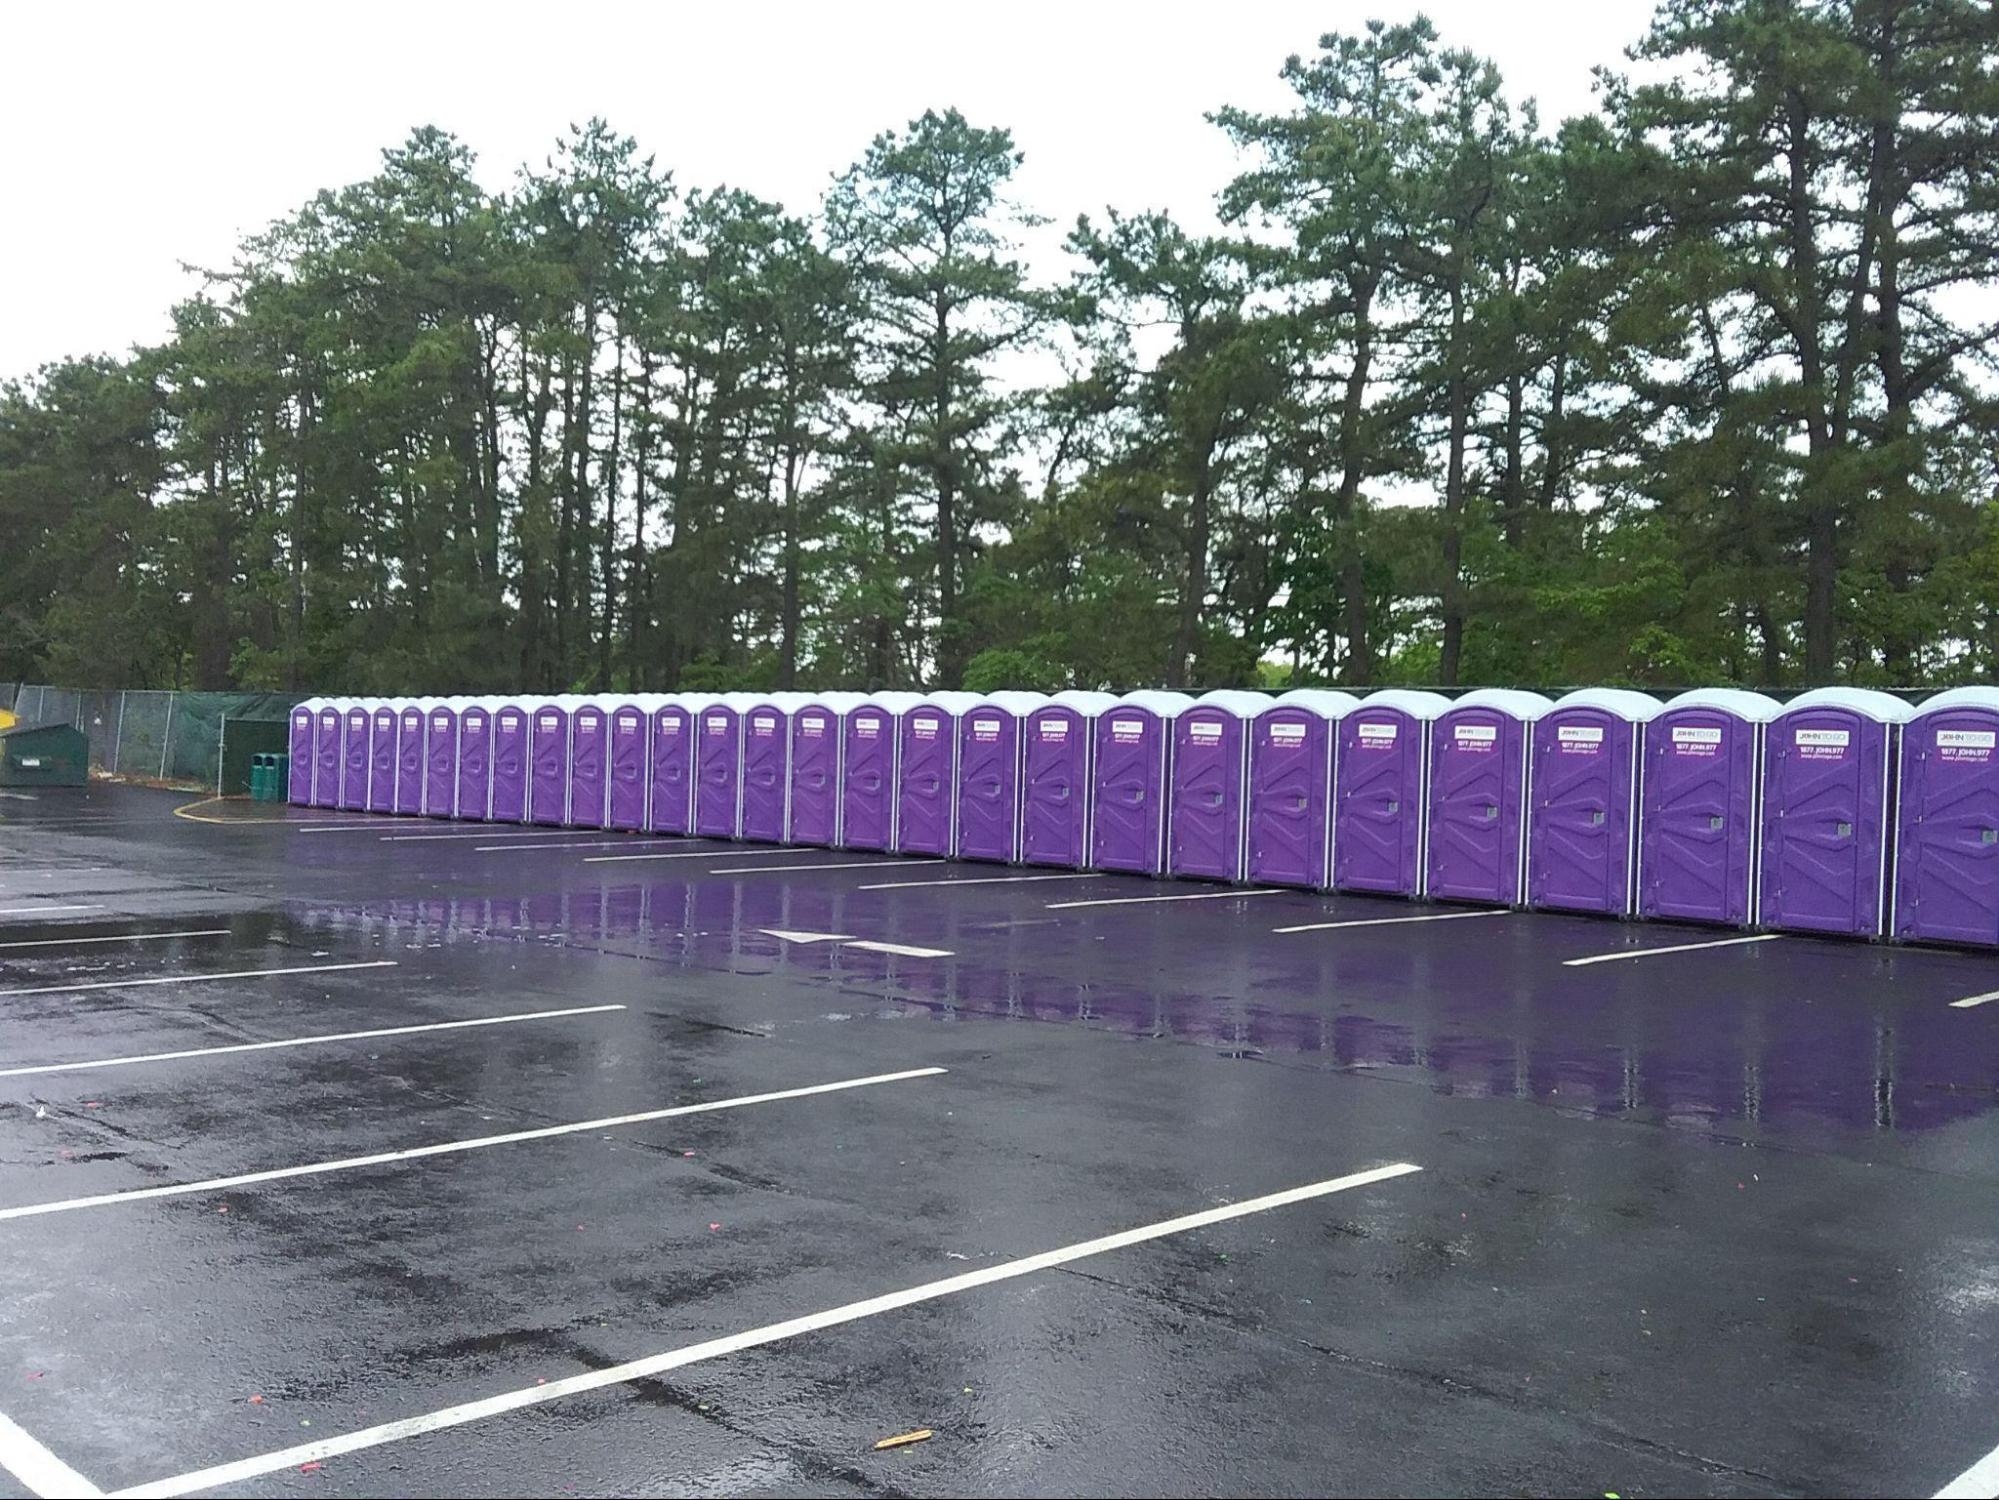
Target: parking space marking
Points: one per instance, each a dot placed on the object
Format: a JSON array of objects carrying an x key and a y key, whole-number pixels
[
  {"x": 785, "y": 934},
  {"x": 1611, "y": 958},
  {"x": 1979, "y": 1482},
  {"x": 446, "y": 1148},
  {"x": 306, "y": 1041},
  {"x": 1971, "y": 1001},
  {"x": 122, "y": 937},
  {"x": 858, "y": 864},
  {"x": 496, "y": 831},
  {"x": 122, "y": 984},
  {"x": 1441, "y": 916},
  {"x": 40, "y": 1472},
  {"x": 630, "y": 838},
  {"x": 833, "y": 1317},
  {"x": 618, "y": 859},
  {"x": 39, "y": 911},
  {"x": 906, "y": 885},
  {"x": 1197, "y": 896},
  {"x": 901, "y": 950}
]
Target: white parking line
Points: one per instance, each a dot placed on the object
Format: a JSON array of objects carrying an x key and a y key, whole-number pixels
[
  {"x": 40, "y": 1472},
  {"x": 1611, "y": 958},
  {"x": 1971, "y": 1001},
  {"x": 859, "y": 864},
  {"x": 306, "y": 1041},
  {"x": 444, "y": 1148},
  {"x": 1442, "y": 916},
  {"x": 489, "y": 831},
  {"x": 619, "y": 859},
  {"x": 123, "y": 937},
  {"x": 1197, "y": 896},
  {"x": 905, "y": 885},
  {"x": 37, "y": 911},
  {"x": 627, "y": 840},
  {"x": 121, "y": 984},
  {"x": 8, "y": 872},
  {"x": 771, "y": 1333},
  {"x": 786, "y": 935},
  {"x": 372, "y": 824},
  {"x": 903, "y": 950},
  {"x": 1979, "y": 1482}
]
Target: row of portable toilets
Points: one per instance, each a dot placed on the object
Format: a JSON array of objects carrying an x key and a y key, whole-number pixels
[{"x": 1843, "y": 811}]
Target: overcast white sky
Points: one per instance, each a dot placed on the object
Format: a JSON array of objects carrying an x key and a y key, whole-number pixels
[{"x": 141, "y": 136}]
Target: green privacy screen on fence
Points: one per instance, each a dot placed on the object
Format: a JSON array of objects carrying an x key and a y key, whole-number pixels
[{"x": 156, "y": 735}]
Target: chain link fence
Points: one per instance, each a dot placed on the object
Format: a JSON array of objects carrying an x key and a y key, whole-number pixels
[{"x": 150, "y": 736}]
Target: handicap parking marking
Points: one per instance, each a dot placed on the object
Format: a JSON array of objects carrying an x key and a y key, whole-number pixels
[
  {"x": 1196, "y": 896},
  {"x": 120, "y": 984},
  {"x": 1624, "y": 953},
  {"x": 39, "y": 1471},
  {"x": 1441, "y": 916},
  {"x": 121, "y": 937},
  {"x": 446, "y": 1148},
  {"x": 771, "y": 1333}
]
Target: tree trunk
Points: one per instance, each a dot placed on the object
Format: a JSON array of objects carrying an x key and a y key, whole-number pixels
[
  {"x": 1359, "y": 664},
  {"x": 1454, "y": 489}
]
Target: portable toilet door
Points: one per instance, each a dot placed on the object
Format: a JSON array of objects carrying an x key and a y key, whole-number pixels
[
  {"x": 1828, "y": 777},
  {"x": 1381, "y": 784},
  {"x": 816, "y": 737},
  {"x": 304, "y": 757},
  {"x": 548, "y": 759},
  {"x": 1131, "y": 788},
  {"x": 383, "y": 715},
  {"x": 670, "y": 767},
  {"x": 513, "y": 768},
  {"x": 589, "y": 761},
  {"x": 718, "y": 765},
  {"x": 926, "y": 774},
  {"x": 867, "y": 781},
  {"x": 625, "y": 762},
  {"x": 1207, "y": 833},
  {"x": 329, "y": 724},
  {"x": 1947, "y": 838},
  {"x": 1056, "y": 778},
  {"x": 767, "y": 765},
  {"x": 473, "y": 796},
  {"x": 1582, "y": 820},
  {"x": 989, "y": 775},
  {"x": 440, "y": 757},
  {"x": 1291, "y": 754},
  {"x": 1700, "y": 807},
  {"x": 354, "y": 751},
  {"x": 410, "y": 716},
  {"x": 1479, "y": 795}
]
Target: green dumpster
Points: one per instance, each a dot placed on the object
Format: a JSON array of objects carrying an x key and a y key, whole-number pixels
[{"x": 44, "y": 755}]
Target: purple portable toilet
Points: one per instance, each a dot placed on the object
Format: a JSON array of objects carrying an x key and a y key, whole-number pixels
[
  {"x": 1947, "y": 826},
  {"x": 1582, "y": 819},
  {"x": 1132, "y": 787},
  {"x": 440, "y": 757},
  {"x": 1701, "y": 807},
  {"x": 718, "y": 762},
  {"x": 926, "y": 773},
  {"x": 512, "y": 767},
  {"x": 990, "y": 739},
  {"x": 1828, "y": 782},
  {"x": 817, "y": 738},
  {"x": 767, "y": 765},
  {"x": 354, "y": 753},
  {"x": 1057, "y": 773},
  {"x": 670, "y": 763},
  {"x": 867, "y": 779},
  {"x": 473, "y": 795},
  {"x": 383, "y": 714},
  {"x": 1210, "y": 785},
  {"x": 589, "y": 761},
  {"x": 328, "y": 761},
  {"x": 304, "y": 758},
  {"x": 625, "y": 762},
  {"x": 1380, "y": 789},
  {"x": 1479, "y": 795},
  {"x": 411, "y": 714},
  {"x": 548, "y": 758},
  {"x": 1291, "y": 749}
]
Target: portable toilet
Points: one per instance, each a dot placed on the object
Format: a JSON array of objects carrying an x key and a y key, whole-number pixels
[
  {"x": 1291, "y": 751},
  {"x": 989, "y": 775},
  {"x": 1210, "y": 787},
  {"x": 512, "y": 759},
  {"x": 354, "y": 753},
  {"x": 304, "y": 759},
  {"x": 867, "y": 780},
  {"x": 1828, "y": 779},
  {"x": 383, "y": 716},
  {"x": 412, "y": 715},
  {"x": 767, "y": 765},
  {"x": 589, "y": 760},
  {"x": 1582, "y": 821},
  {"x": 1381, "y": 786},
  {"x": 1477, "y": 835},
  {"x": 1947, "y": 826},
  {"x": 1056, "y": 775},
  {"x": 473, "y": 794},
  {"x": 817, "y": 736},
  {"x": 328, "y": 761},
  {"x": 1131, "y": 794},
  {"x": 1701, "y": 807},
  {"x": 670, "y": 766},
  {"x": 548, "y": 758},
  {"x": 625, "y": 763},
  {"x": 718, "y": 763},
  {"x": 926, "y": 774},
  {"x": 440, "y": 757}
]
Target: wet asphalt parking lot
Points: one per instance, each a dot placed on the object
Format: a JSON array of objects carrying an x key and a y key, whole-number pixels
[{"x": 360, "y": 1156}]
